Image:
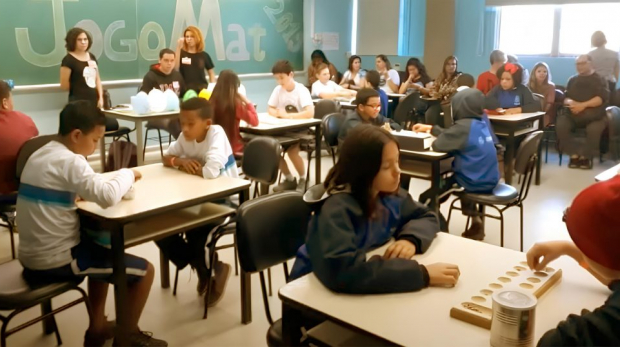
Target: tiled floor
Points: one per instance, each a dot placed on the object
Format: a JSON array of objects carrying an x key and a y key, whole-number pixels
[{"x": 178, "y": 319}]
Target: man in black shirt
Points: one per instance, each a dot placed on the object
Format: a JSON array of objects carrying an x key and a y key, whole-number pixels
[{"x": 587, "y": 95}]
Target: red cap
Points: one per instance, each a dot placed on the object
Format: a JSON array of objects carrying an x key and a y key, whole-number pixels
[{"x": 593, "y": 222}]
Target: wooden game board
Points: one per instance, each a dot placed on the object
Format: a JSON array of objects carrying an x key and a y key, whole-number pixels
[{"x": 478, "y": 310}]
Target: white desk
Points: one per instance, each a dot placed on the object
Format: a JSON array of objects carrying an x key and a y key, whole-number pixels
[
  {"x": 423, "y": 318},
  {"x": 160, "y": 191},
  {"x": 608, "y": 174},
  {"x": 128, "y": 115}
]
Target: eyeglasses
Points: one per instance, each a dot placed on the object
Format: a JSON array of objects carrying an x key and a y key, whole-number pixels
[{"x": 377, "y": 107}]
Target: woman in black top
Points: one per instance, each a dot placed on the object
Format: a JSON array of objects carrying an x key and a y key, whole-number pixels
[
  {"x": 79, "y": 72},
  {"x": 192, "y": 60}
]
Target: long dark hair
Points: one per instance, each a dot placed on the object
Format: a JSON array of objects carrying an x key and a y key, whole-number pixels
[
  {"x": 388, "y": 65},
  {"x": 359, "y": 162},
  {"x": 352, "y": 59},
  {"x": 225, "y": 98},
  {"x": 319, "y": 53},
  {"x": 443, "y": 76},
  {"x": 71, "y": 38},
  {"x": 424, "y": 78}
]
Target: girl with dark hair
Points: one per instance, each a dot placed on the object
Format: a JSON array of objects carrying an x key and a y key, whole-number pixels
[
  {"x": 317, "y": 58},
  {"x": 511, "y": 96},
  {"x": 79, "y": 72},
  {"x": 352, "y": 78},
  {"x": 230, "y": 107},
  {"x": 418, "y": 77},
  {"x": 362, "y": 207},
  {"x": 390, "y": 80}
]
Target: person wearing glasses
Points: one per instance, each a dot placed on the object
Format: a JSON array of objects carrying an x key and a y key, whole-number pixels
[
  {"x": 587, "y": 95},
  {"x": 368, "y": 105}
]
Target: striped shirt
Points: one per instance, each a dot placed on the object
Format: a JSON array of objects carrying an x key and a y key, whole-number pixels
[{"x": 49, "y": 225}]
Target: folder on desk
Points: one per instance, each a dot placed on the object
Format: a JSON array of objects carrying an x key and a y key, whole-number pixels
[{"x": 412, "y": 141}]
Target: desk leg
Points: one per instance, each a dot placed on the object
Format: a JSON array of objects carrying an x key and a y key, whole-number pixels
[
  {"x": 164, "y": 272},
  {"x": 121, "y": 300},
  {"x": 509, "y": 158},
  {"x": 292, "y": 322},
  {"x": 539, "y": 162},
  {"x": 318, "y": 140},
  {"x": 140, "y": 144},
  {"x": 246, "y": 278},
  {"x": 102, "y": 153}
]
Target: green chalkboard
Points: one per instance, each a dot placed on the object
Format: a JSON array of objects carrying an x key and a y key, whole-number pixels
[{"x": 247, "y": 36}]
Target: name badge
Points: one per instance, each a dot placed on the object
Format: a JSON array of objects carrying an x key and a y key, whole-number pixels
[
  {"x": 175, "y": 84},
  {"x": 186, "y": 61},
  {"x": 92, "y": 64}
]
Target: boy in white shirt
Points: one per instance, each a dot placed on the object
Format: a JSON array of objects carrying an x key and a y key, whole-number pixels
[
  {"x": 325, "y": 88},
  {"x": 201, "y": 149},
  {"x": 51, "y": 247},
  {"x": 290, "y": 100}
]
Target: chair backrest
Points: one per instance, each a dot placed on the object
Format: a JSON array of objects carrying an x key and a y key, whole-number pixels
[
  {"x": 406, "y": 108},
  {"x": 331, "y": 128},
  {"x": 270, "y": 230},
  {"x": 525, "y": 163},
  {"x": 541, "y": 99},
  {"x": 324, "y": 107},
  {"x": 27, "y": 149},
  {"x": 261, "y": 160}
]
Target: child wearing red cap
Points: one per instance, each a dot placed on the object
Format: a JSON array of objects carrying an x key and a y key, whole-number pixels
[{"x": 592, "y": 222}]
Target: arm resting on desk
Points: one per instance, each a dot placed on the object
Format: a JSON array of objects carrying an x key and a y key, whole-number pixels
[
  {"x": 417, "y": 224},
  {"x": 452, "y": 139},
  {"x": 341, "y": 265},
  {"x": 92, "y": 186}
]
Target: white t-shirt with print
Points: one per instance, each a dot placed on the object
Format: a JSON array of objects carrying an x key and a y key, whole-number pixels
[
  {"x": 299, "y": 97},
  {"x": 330, "y": 87},
  {"x": 394, "y": 76}
]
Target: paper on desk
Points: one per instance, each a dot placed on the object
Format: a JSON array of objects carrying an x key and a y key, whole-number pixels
[{"x": 411, "y": 134}]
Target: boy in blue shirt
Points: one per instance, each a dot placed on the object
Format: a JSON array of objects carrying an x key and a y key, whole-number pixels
[{"x": 373, "y": 79}]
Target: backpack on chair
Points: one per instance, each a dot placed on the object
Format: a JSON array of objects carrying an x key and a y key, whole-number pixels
[{"x": 122, "y": 154}]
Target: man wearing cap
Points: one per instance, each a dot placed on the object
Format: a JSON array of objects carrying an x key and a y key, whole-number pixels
[
  {"x": 593, "y": 225},
  {"x": 368, "y": 105},
  {"x": 15, "y": 129}
]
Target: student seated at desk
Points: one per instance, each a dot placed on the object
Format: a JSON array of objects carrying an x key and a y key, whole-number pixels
[
  {"x": 417, "y": 80},
  {"x": 52, "y": 245},
  {"x": 352, "y": 78},
  {"x": 372, "y": 81},
  {"x": 202, "y": 149},
  {"x": 230, "y": 107},
  {"x": 511, "y": 96},
  {"x": 362, "y": 209},
  {"x": 366, "y": 112},
  {"x": 475, "y": 162},
  {"x": 389, "y": 78},
  {"x": 325, "y": 88},
  {"x": 488, "y": 79},
  {"x": 592, "y": 222},
  {"x": 163, "y": 76},
  {"x": 290, "y": 100},
  {"x": 15, "y": 129}
]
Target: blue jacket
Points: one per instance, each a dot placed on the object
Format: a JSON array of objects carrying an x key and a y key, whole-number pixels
[
  {"x": 471, "y": 142},
  {"x": 384, "y": 102},
  {"x": 339, "y": 236}
]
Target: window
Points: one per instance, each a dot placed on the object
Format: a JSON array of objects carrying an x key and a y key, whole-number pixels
[{"x": 557, "y": 30}]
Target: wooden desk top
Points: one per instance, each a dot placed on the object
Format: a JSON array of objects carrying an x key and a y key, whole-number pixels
[
  {"x": 163, "y": 189},
  {"x": 269, "y": 125},
  {"x": 607, "y": 174},
  {"x": 128, "y": 114},
  {"x": 423, "y": 155},
  {"x": 516, "y": 118},
  {"x": 423, "y": 318}
]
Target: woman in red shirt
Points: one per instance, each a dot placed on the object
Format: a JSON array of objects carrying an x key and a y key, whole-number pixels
[{"x": 231, "y": 107}]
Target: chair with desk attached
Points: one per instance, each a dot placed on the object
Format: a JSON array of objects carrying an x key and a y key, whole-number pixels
[
  {"x": 16, "y": 294},
  {"x": 331, "y": 129},
  {"x": 505, "y": 196}
]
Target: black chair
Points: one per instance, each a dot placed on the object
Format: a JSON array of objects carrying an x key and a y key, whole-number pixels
[
  {"x": 17, "y": 296},
  {"x": 505, "y": 195},
  {"x": 324, "y": 107},
  {"x": 549, "y": 129},
  {"x": 7, "y": 215},
  {"x": 261, "y": 163},
  {"x": 270, "y": 230},
  {"x": 406, "y": 114},
  {"x": 331, "y": 129}
]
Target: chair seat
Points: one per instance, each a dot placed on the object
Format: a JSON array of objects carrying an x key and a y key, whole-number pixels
[
  {"x": 7, "y": 202},
  {"x": 16, "y": 293},
  {"x": 275, "y": 337},
  {"x": 503, "y": 194},
  {"x": 122, "y": 131}
]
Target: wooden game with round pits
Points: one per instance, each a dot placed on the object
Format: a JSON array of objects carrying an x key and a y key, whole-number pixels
[{"x": 477, "y": 309}]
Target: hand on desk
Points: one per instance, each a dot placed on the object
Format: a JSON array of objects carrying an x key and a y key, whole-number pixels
[
  {"x": 442, "y": 274},
  {"x": 137, "y": 175},
  {"x": 422, "y": 128},
  {"x": 189, "y": 165},
  {"x": 400, "y": 249}
]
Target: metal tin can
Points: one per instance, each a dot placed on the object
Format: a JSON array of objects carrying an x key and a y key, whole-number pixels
[{"x": 513, "y": 319}]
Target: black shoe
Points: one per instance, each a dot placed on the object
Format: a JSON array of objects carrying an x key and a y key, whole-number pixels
[
  {"x": 203, "y": 275},
  {"x": 143, "y": 339},
  {"x": 574, "y": 163},
  {"x": 585, "y": 164},
  {"x": 286, "y": 185},
  {"x": 475, "y": 232}
]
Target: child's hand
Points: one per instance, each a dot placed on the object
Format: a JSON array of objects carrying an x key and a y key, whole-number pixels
[
  {"x": 400, "y": 249},
  {"x": 442, "y": 274},
  {"x": 282, "y": 114},
  {"x": 386, "y": 126},
  {"x": 137, "y": 175},
  {"x": 548, "y": 251},
  {"x": 189, "y": 165},
  {"x": 422, "y": 128}
]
